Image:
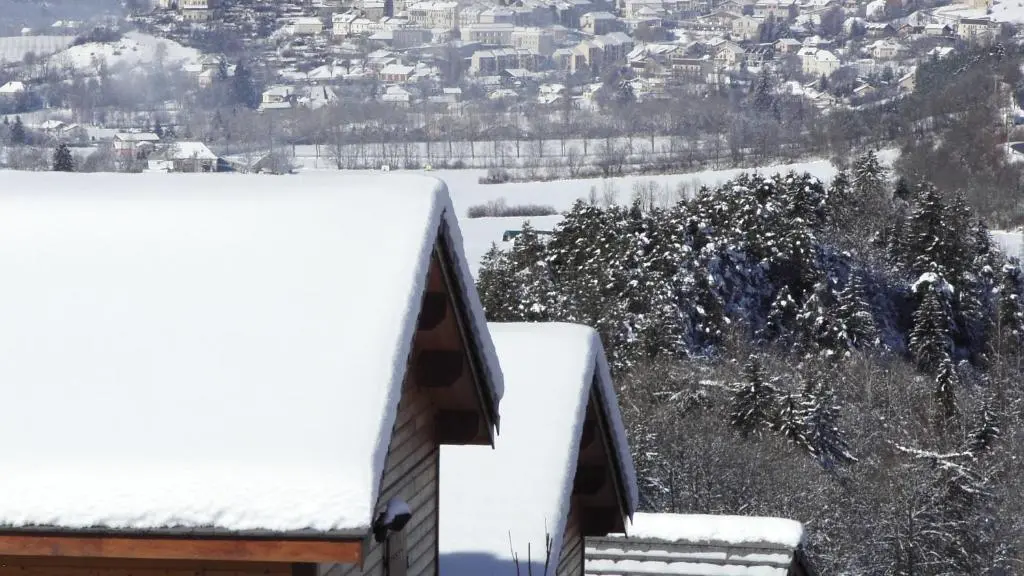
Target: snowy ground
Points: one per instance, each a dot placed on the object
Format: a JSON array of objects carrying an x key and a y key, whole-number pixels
[
  {"x": 467, "y": 191},
  {"x": 1012, "y": 242},
  {"x": 132, "y": 50},
  {"x": 479, "y": 234},
  {"x": 1008, "y": 11},
  {"x": 14, "y": 48}
]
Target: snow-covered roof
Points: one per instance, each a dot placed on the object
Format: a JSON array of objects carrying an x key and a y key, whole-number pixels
[
  {"x": 137, "y": 137},
  {"x": 699, "y": 545},
  {"x": 215, "y": 352},
  {"x": 521, "y": 490},
  {"x": 715, "y": 529},
  {"x": 12, "y": 87},
  {"x": 190, "y": 151}
]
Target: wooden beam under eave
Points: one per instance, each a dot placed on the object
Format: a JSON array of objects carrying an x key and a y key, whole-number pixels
[{"x": 165, "y": 548}]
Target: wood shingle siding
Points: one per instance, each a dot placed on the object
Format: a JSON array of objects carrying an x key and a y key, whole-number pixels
[
  {"x": 410, "y": 473},
  {"x": 570, "y": 561}
]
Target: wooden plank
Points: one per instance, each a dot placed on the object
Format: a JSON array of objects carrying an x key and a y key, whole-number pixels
[
  {"x": 157, "y": 548},
  {"x": 134, "y": 564}
]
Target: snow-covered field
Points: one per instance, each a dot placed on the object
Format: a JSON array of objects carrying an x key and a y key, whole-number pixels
[
  {"x": 133, "y": 49},
  {"x": 1008, "y": 11},
  {"x": 1012, "y": 242},
  {"x": 14, "y": 48}
]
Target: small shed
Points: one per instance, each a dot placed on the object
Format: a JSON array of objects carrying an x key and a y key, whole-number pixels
[
  {"x": 701, "y": 545},
  {"x": 560, "y": 470},
  {"x": 225, "y": 375}
]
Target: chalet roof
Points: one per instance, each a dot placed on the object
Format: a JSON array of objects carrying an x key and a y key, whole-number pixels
[
  {"x": 12, "y": 87},
  {"x": 189, "y": 151},
  {"x": 212, "y": 353},
  {"x": 522, "y": 488},
  {"x": 137, "y": 137},
  {"x": 699, "y": 544}
]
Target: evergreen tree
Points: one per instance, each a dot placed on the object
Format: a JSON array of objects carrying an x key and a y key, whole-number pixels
[
  {"x": 62, "y": 159},
  {"x": 856, "y": 323},
  {"x": 821, "y": 424},
  {"x": 791, "y": 422},
  {"x": 753, "y": 404},
  {"x": 946, "y": 381},
  {"x": 981, "y": 438},
  {"x": 497, "y": 286},
  {"x": 1011, "y": 305},
  {"x": 926, "y": 234},
  {"x": 243, "y": 87},
  {"x": 958, "y": 249},
  {"x": 158, "y": 129},
  {"x": 869, "y": 184},
  {"x": 781, "y": 315},
  {"x": 902, "y": 190},
  {"x": 843, "y": 205},
  {"x": 929, "y": 339},
  {"x": 18, "y": 135}
]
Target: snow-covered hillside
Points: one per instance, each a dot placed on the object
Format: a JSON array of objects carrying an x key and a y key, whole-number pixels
[
  {"x": 132, "y": 50},
  {"x": 14, "y": 48},
  {"x": 1011, "y": 242},
  {"x": 1008, "y": 11}
]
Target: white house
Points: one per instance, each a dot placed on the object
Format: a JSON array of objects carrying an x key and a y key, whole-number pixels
[
  {"x": 307, "y": 26},
  {"x": 560, "y": 468},
  {"x": 816, "y": 62}
]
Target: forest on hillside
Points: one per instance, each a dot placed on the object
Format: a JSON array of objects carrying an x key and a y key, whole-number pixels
[{"x": 848, "y": 355}]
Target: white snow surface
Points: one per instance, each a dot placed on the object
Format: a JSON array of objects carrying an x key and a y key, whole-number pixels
[
  {"x": 133, "y": 49},
  {"x": 1011, "y": 242},
  {"x": 707, "y": 529},
  {"x": 1011, "y": 11},
  {"x": 482, "y": 233},
  {"x": 216, "y": 352},
  {"x": 514, "y": 495},
  {"x": 14, "y": 48},
  {"x": 633, "y": 567}
]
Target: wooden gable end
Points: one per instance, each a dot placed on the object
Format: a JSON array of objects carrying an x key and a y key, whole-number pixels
[
  {"x": 598, "y": 506},
  {"x": 445, "y": 361},
  {"x": 597, "y": 489}
]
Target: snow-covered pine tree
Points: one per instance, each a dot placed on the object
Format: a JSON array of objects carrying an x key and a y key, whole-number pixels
[
  {"x": 926, "y": 234},
  {"x": 981, "y": 438},
  {"x": 1011, "y": 305},
  {"x": 781, "y": 320},
  {"x": 791, "y": 422},
  {"x": 842, "y": 206},
  {"x": 62, "y": 159},
  {"x": 816, "y": 320},
  {"x": 754, "y": 400},
  {"x": 869, "y": 185},
  {"x": 946, "y": 382},
  {"x": 821, "y": 425},
  {"x": 958, "y": 244},
  {"x": 497, "y": 286},
  {"x": 855, "y": 323},
  {"x": 929, "y": 338}
]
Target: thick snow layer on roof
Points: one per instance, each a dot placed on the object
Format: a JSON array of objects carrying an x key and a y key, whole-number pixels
[
  {"x": 501, "y": 501},
  {"x": 634, "y": 567},
  {"x": 729, "y": 530},
  {"x": 217, "y": 352}
]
